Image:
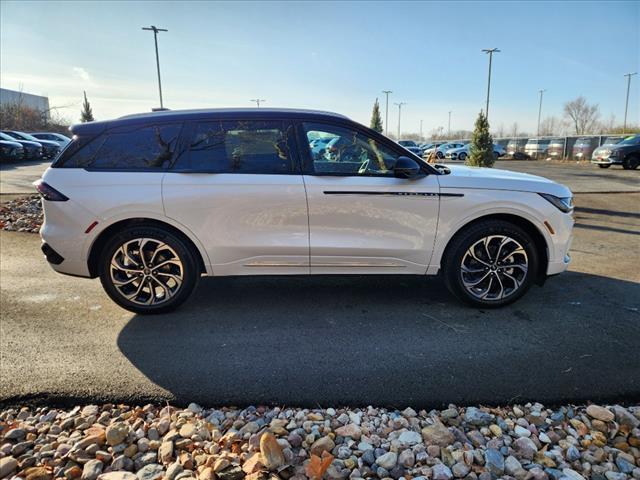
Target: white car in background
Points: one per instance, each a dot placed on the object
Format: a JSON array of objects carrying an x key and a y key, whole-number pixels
[
  {"x": 149, "y": 203},
  {"x": 462, "y": 153}
]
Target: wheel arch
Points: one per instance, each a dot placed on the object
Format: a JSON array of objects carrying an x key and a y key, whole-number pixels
[
  {"x": 104, "y": 236},
  {"x": 525, "y": 224}
]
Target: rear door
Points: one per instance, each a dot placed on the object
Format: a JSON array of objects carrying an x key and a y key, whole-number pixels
[
  {"x": 362, "y": 219},
  {"x": 237, "y": 186}
]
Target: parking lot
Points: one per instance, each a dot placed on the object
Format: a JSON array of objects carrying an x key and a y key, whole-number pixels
[{"x": 338, "y": 340}]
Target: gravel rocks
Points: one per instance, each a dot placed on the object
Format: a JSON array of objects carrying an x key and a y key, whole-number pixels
[
  {"x": 117, "y": 442},
  {"x": 22, "y": 214}
]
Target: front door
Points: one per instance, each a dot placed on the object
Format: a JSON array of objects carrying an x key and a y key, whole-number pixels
[
  {"x": 362, "y": 219},
  {"x": 239, "y": 189}
]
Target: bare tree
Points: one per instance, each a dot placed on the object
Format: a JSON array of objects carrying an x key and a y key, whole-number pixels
[
  {"x": 550, "y": 126},
  {"x": 499, "y": 133},
  {"x": 514, "y": 129},
  {"x": 583, "y": 116}
]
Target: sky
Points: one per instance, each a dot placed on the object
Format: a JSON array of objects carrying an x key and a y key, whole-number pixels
[{"x": 336, "y": 56}]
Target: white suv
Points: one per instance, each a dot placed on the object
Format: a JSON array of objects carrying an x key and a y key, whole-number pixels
[{"x": 151, "y": 202}]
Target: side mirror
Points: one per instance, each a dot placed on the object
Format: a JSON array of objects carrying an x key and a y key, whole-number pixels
[{"x": 407, "y": 168}]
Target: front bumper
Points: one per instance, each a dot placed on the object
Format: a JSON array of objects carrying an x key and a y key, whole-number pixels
[{"x": 606, "y": 160}]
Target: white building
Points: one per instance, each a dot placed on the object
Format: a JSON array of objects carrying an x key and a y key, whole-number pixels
[{"x": 32, "y": 101}]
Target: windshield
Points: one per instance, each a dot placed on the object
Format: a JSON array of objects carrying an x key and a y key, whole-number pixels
[
  {"x": 7, "y": 138},
  {"x": 633, "y": 140}
]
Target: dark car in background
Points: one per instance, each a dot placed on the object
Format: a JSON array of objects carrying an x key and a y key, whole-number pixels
[
  {"x": 60, "y": 139},
  {"x": 32, "y": 150},
  {"x": 625, "y": 153},
  {"x": 10, "y": 151},
  {"x": 584, "y": 147},
  {"x": 49, "y": 149}
]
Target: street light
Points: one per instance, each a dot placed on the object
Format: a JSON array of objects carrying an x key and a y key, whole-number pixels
[
  {"x": 386, "y": 112},
  {"x": 449, "y": 134},
  {"x": 490, "y": 51},
  {"x": 258, "y": 101},
  {"x": 420, "y": 130},
  {"x": 540, "y": 110},
  {"x": 155, "y": 31},
  {"x": 399, "y": 116},
  {"x": 626, "y": 105}
]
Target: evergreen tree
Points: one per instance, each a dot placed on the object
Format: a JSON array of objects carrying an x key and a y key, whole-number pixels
[
  {"x": 86, "y": 114},
  {"x": 481, "y": 148},
  {"x": 376, "y": 118}
]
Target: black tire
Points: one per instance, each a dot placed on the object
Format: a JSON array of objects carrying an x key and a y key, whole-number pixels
[
  {"x": 631, "y": 162},
  {"x": 440, "y": 155},
  {"x": 462, "y": 157},
  {"x": 188, "y": 269},
  {"x": 457, "y": 250},
  {"x": 603, "y": 166}
]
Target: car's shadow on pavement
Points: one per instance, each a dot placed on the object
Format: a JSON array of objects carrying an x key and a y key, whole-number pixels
[{"x": 392, "y": 341}]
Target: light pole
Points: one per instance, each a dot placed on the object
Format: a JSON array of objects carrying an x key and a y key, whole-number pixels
[
  {"x": 399, "y": 116},
  {"x": 490, "y": 51},
  {"x": 155, "y": 31},
  {"x": 626, "y": 104},
  {"x": 258, "y": 101},
  {"x": 449, "y": 134},
  {"x": 386, "y": 112},
  {"x": 540, "y": 110},
  {"x": 420, "y": 130}
]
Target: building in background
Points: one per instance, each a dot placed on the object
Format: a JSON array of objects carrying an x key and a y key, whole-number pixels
[{"x": 35, "y": 102}]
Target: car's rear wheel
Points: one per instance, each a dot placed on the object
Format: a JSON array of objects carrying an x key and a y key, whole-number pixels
[
  {"x": 603, "y": 165},
  {"x": 148, "y": 269},
  {"x": 462, "y": 157},
  {"x": 440, "y": 155},
  {"x": 631, "y": 162},
  {"x": 490, "y": 264}
]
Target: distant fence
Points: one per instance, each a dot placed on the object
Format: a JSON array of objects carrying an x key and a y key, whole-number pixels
[{"x": 574, "y": 147}]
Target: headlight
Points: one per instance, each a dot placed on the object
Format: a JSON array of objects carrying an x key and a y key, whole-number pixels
[{"x": 564, "y": 204}]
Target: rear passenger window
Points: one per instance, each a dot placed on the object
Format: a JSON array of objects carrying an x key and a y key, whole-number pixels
[
  {"x": 146, "y": 148},
  {"x": 251, "y": 147}
]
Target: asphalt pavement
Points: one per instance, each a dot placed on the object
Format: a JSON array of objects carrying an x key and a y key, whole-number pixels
[{"x": 391, "y": 341}]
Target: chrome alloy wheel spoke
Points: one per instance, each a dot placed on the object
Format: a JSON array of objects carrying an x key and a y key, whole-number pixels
[
  {"x": 494, "y": 267},
  {"x": 136, "y": 276}
]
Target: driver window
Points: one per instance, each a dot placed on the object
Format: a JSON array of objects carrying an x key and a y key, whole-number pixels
[{"x": 337, "y": 150}]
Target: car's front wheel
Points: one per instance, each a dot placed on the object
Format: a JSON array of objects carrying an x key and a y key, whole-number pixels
[
  {"x": 148, "y": 269},
  {"x": 631, "y": 162},
  {"x": 490, "y": 264}
]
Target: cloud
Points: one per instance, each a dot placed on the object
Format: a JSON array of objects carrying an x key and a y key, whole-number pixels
[{"x": 82, "y": 73}]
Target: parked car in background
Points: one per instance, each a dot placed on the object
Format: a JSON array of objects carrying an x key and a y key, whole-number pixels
[
  {"x": 216, "y": 208},
  {"x": 625, "y": 153},
  {"x": 11, "y": 151},
  {"x": 536, "y": 147},
  {"x": 32, "y": 150},
  {"x": 415, "y": 150},
  {"x": 584, "y": 147},
  {"x": 515, "y": 148},
  {"x": 445, "y": 147},
  {"x": 427, "y": 149},
  {"x": 49, "y": 149},
  {"x": 555, "y": 149},
  {"x": 319, "y": 145},
  {"x": 408, "y": 143},
  {"x": 54, "y": 137},
  {"x": 461, "y": 153}
]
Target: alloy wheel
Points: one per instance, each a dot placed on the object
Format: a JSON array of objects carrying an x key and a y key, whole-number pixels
[
  {"x": 494, "y": 267},
  {"x": 146, "y": 271}
]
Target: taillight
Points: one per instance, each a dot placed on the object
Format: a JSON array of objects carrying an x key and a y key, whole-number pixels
[{"x": 48, "y": 192}]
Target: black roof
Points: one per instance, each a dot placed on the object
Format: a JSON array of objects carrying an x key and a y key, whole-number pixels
[{"x": 93, "y": 128}]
